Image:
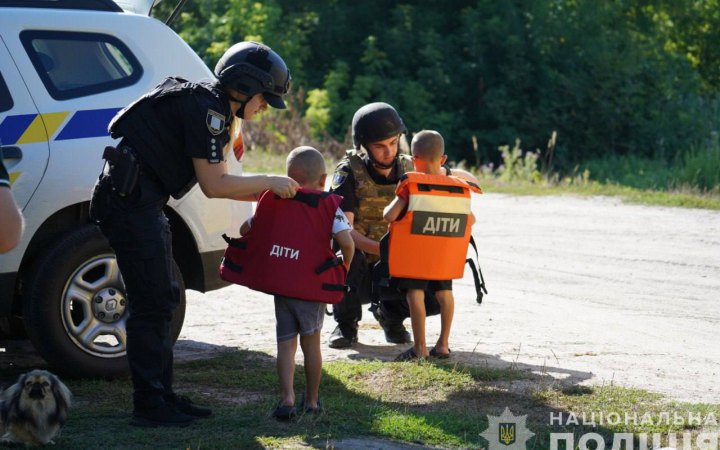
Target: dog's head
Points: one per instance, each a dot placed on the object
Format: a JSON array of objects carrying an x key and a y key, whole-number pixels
[{"x": 38, "y": 391}]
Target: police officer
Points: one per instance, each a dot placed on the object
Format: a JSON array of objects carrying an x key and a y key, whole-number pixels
[
  {"x": 11, "y": 222},
  {"x": 366, "y": 178},
  {"x": 172, "y": 138}
]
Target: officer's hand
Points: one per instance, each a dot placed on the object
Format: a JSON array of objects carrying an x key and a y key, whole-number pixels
[{"x": 284, "y": 187}]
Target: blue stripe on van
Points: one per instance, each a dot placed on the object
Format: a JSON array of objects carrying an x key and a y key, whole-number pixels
[
  {"x": 86, "y": 124},
  {"x": 12, "y": 127}
]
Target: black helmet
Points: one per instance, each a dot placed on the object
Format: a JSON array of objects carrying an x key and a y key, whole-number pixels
[
  {"x": 376, "y": 122},
  {"x": 251, "y": 67}
]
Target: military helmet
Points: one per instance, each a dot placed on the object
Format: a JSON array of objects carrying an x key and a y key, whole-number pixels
[
  {"x": 376, "y": 122},
  {"x": 250, "y": 67}
]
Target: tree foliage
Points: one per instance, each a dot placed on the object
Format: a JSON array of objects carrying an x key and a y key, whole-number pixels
[{"x": 618, "y": 77}]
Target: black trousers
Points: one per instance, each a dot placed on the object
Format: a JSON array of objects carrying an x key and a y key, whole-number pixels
[
  {"x": 139, "y": 233},
  {"x": 360, "y": 281}
]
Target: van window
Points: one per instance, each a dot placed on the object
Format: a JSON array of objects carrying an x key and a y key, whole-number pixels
[
  {"x": 74, "y": 64},
  {"x": 6, "y": 102}
]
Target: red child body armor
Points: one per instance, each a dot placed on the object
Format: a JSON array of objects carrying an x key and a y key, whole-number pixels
[
  {"x": 287, "y": 250},
  {"x": 430, "y": 241}
]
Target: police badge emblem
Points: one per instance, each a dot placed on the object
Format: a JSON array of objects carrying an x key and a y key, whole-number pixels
[
  {"x": 507, "y": 432},
  {"x": 338, "y": 178},
  {"x": 215, "y": 122}
]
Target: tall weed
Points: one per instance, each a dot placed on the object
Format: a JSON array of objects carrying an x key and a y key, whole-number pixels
[
  {"x": 700, "y": 167},
  {"x": 518, "y": 166}
]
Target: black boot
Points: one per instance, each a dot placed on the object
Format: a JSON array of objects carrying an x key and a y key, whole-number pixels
[
  {"x": 162, "y": 416},
  {"x": 395, "y": 333},
  {"x": 344, "y": 335},
  {"x": 186, "y": 406}
]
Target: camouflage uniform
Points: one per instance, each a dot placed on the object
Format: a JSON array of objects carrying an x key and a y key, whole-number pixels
[{"x": 365, "y": 196}]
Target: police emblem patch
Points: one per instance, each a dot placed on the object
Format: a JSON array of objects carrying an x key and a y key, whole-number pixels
[
  {"x": 215, "y": 122},
  {"x": 338, "y": 178}
]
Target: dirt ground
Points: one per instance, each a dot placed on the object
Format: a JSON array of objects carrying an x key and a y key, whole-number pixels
[{"x": 588, "y": 290}]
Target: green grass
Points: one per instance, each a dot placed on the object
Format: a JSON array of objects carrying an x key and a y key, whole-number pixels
[
  {"x": 685, "y": 198},
  {"x": 648, "y": 413},
  {"x": 263, "y": 161},
  {"x": 430, "y": 404}
]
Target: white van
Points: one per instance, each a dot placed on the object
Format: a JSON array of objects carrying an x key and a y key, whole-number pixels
[{"x": 66, "y": 68}]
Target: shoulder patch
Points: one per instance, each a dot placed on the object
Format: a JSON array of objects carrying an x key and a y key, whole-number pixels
[
  {"x": 339, "y": 178},
  {"x": 215, "y": 122}
]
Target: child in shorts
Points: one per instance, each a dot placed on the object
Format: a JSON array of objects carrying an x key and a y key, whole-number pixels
[
  {"x": 428, "y": 153},
  {"x": 301, "y": 317}
]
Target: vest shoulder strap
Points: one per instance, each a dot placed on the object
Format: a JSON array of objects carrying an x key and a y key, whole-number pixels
[
  {"x": 311, "y": 198},
  {"x": 427, "y": 182},
  {"x": 357, "y": 166},
  {"x": 168, "y": 87}
]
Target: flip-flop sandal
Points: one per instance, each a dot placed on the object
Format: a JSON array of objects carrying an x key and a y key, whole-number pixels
[
  {"x": 436, "y": 354},
  {"x": 309, "y": 409},
  {"x": 407, "y": 355},
  {"x": 284, "y": 412}
]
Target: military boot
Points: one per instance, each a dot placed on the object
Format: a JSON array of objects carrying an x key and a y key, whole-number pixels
[
  {"x": 344, "y": 335},
  {"x": 395, "y": 333}
]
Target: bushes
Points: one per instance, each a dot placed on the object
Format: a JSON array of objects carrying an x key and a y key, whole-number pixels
[{"x": 622, "y": 81}]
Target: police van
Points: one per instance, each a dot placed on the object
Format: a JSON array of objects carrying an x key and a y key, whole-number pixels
[{"x": 66, "y": 68}]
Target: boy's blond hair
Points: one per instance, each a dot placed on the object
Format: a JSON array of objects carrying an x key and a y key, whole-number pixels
[
  {"x": 305, "y": 165},
  {"x": 428, "y": 144}
]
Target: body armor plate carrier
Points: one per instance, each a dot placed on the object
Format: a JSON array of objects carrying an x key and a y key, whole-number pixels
[
  {"x": 431, "y": 240},
  {"x": 287, "y": 250}
]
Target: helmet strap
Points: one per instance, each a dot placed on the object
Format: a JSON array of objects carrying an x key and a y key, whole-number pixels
[{"x": 241, "y": 110}]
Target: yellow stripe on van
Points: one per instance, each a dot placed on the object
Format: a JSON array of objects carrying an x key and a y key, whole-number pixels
[
  {"x": 53, "y": 121},
  {"x": 36, "y": 132}
]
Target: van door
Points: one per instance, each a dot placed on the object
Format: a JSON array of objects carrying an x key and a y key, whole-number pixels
[{"x": 23, "y": 131}]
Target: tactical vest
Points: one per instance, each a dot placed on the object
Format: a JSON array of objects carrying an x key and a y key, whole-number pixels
[
  {"x": 373, "y": 197},
  {"x": 287, "y": 250},
  {"x": 153, "y": 144},
  {"x": 430, "y": 241}
]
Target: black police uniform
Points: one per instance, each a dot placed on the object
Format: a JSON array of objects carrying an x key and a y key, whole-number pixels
[
  {"x": 360, "y": 275},
  {"x": 164, "y": 130}
]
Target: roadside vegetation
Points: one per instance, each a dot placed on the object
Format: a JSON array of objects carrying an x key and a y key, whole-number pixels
[
  {"x": 430, "y": 404},
  {"x": 522, "y": 174},
  {"x": 634, "y": 113},
  {"x": 693, "y": 182}
]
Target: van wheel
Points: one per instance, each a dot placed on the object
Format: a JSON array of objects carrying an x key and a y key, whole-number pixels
[{"x": 75, "y": 309}]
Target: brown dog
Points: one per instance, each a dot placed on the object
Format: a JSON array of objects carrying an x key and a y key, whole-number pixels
[{"x": 33, "y": 409}]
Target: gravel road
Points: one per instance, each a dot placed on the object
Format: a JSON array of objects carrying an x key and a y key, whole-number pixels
[{"x": 588, "y": 290}]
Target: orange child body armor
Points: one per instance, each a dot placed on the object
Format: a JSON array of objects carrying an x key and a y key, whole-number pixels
[{"x": 430, "y": 241}]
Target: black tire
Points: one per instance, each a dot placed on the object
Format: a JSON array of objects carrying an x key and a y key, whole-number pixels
[{"x": 74, "y": 308}]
